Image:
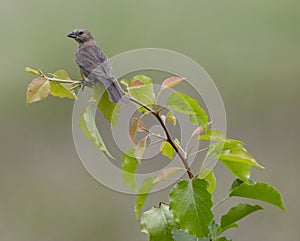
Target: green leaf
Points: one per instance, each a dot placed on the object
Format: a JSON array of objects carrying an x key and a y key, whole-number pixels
[
  {"x": 62, "y": 89},
  {"x": 233, "y": 144},
  {"x": 239, "y": 170},
  {"x": 140, "y": 149},
  {"x": 129, "y": 166},
  {"x": 167, "y": 150},
  {"x": 213, "y": 228},
  {"x": 237, "y": 182},
  {"x": 37, "y": 90},
  {"x": 158, "y": 223},
  {"x": 184, "y": 104},
  {"x": 226, "y": 144},
  {"x": 179, "y": 102},
  {"x": 61, "y": 74},
  {"x": 199, "y": 118},
  {"x": 59, "y": 90},
  {"x": 259, "y": 191},
  {"x": 213, "y": 135},
  {"x": 142, "y": 195},
  {"x": 209, "y": 176},
  {"x": 239, "y": 162},
  {"x": 166, "y": 173},
  {"x": 238, "y": 156},
  {"x": 140, "y": 87},
  {"x": 89, "y": 129},
  {"x": 125, "y": 82},
  {"x": 109, "y": 109},
  {"x": 236, "y": 213},
  {"x": 171, "y": 82},
  {"x": 215, "y": 149},
  {"x": 233, "y": 225},
  {"x": 180, "y": 235},
  {"x": 191, "y": 204},
  {"x": 223, "y": 143}
]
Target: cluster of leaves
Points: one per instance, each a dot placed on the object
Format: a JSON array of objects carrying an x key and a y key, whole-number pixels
[
  {"x": 189, "y": 214},
  {"x": 58, "y": 84}
]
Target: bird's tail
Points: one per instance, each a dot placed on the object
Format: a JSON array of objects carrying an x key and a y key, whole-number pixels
[{"x": 115, "y": 93}]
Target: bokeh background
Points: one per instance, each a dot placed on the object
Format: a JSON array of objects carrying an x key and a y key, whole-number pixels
[{"x": 250, "y": 48}]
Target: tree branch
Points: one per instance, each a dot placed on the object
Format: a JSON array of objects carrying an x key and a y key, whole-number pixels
[{"x": 169, "y": 138}]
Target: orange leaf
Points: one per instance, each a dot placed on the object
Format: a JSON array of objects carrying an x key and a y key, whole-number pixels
[
  {"x": 37, "y": 90},
  {"x": 133, "y": 129},
  {"x": 172, "y": 81},
  {"x": 199, "y": 130},
  {"x": 164, "y": 174},
  {"x": 141, "y": 127},
  {"x": 140, "y": 149},
  {"x": 135, "y": 84}
]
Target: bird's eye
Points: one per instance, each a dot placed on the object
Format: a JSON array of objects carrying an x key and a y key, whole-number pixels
[{"x": 81, "y": 32}]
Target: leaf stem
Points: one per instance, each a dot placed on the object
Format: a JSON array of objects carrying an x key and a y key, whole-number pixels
[
  {"x": 169, "y": 138},
  {"x": 220, "y": 202},
  {"x": 199, "y": 151},
  {"x": 63, "y": 81}
]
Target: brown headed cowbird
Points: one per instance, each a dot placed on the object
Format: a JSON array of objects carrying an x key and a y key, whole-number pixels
[{"x": 94, "y": 65}]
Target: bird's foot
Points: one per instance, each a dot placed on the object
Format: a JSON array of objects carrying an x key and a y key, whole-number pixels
[{"x": 86, "y": 82}]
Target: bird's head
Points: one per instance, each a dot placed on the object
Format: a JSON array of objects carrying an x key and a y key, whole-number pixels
[{"x": 80, "y": 35}]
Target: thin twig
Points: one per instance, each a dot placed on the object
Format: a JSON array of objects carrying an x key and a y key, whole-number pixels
[
  {"x": 74, "y": 87},
  {"x": 191, "y": 147},
  {"x": 191, "y": 137},
  {"x": 155, "y": 142},
  {"x": 157, "y": 96}
]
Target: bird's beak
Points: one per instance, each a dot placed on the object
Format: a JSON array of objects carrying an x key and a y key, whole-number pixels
[{"x": 72, "y": 35}]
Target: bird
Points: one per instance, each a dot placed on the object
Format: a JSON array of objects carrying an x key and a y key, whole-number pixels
[{"x": 94, "y": 65}]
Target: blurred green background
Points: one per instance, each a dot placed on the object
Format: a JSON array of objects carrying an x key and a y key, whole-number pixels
[{"x": 250, "y": 48}]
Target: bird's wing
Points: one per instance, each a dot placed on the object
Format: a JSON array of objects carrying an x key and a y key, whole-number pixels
[{"x": 92, "y": 61}]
